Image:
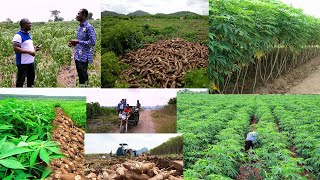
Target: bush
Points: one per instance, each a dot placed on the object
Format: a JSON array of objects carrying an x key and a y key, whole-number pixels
[
  {"x": 197, "y": 78},
  {"x": 122, "y": 37},
  {"x": 110, "y": 69}
]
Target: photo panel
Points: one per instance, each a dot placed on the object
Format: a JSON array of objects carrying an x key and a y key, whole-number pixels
[
  {"x": 42, "y": 133},
  {"x": 158, "y": 44},
  {"x": 53, "y": 44},
  {"x": 249, "y": 136},
  {"x": 264, "y": 47},
  {"x": 131, "y": 111},
  {"x": 133, "y": 156}
]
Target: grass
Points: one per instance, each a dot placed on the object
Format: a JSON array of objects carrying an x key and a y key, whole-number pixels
[
  {"x": 165, "y": 119},
  {"x": 103, "y": 123}
]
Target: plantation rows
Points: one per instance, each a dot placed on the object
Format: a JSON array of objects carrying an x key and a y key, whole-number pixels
[
  {"x": 53, "y": 55},
  {"x": 215, "y": 129},
  {"x": 25, "y": 132},
  {"x": 255, "y": 42}
]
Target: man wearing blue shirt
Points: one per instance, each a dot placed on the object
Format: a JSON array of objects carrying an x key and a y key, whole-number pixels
[
  {"x": 84, "y": 46},
  {"x": 25, "y": 53}
]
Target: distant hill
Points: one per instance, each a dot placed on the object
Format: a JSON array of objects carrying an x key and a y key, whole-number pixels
[
  {"x": 138, "y": 13},
  {"x": 139, "y": 152},
  {"x": 184, "y": 13},
  {"x": 111, "y": 13}
]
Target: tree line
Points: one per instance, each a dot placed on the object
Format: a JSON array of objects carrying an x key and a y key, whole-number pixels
[
  {"x": 172, "y": 146},
  {"x": 94, "y": 110}
]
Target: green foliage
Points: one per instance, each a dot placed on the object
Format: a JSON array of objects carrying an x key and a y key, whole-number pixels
[
  {"x": 242, "y": 33},
  {"x": 172, "y": 146},
  {"x": 122, "y": 37},
  {"x": 25, "y": 146},
  {"x": 197, "y": 78},
  {"x": 94, "y": 109},
  {"x": 111, "y": 68},
  {"x": 215, "y": 126},
  {"x": 172, "y": 101}
]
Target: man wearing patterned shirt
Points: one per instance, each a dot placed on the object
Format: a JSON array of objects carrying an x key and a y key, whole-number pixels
[{"x": 84, "y": 46}]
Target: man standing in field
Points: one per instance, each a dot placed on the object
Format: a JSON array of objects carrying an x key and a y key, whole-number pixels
[
  {"x": 25, "y": 53},
  {"x": 84, "y": 46}
]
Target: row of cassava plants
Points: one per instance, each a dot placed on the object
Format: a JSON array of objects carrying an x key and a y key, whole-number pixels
[
  {"x": 283, "y": 123},
  {"x": 255, "y": 42},
  {"x": 172, "y": 146},
  {"x": 25, "y": 146},
  {"x": 54, "y": 54}
]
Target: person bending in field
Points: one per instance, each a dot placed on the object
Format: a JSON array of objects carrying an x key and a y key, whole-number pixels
[
  {"x": 251, "y": 140},
  {"x": 84, "y": 46},
  {"x": 25, "y": 53}
]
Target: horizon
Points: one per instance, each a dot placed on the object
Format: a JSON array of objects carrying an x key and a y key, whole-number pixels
[{"x": 154, "y": 13}]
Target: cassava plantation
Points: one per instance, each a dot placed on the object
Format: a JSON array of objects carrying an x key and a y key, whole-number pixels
[
  {"x": 155, "y": 51},
  {"x": 54, "y": 64},
  {"x": 253, "y": 43},
  {"x": 42, "y": 138},
  {"x": 215, "y": 129}
]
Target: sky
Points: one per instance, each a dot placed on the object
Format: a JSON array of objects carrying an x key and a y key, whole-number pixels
[
  {"x": 39, "y": 10},
  {"x": 310, "y": 7},
  {"x": 104, "y": 143},
  {"x": 46, "y": 91},
  {"x": 156, "y": 6},
  {"x": 146, "y": 97}
]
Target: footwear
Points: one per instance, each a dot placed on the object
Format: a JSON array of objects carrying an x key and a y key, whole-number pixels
[{"x": 82, "y": 85}]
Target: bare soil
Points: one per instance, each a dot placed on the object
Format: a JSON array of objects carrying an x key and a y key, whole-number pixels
[
  {"x": 67, "y": 76},
  {"x": 302, "y": 80},
  {"x": 145, "y": 124}
]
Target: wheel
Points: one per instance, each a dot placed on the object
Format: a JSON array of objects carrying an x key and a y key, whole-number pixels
[{"x": 122, "y": 128}]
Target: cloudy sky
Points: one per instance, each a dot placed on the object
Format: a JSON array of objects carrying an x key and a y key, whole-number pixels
[
  {"x": 104, "y": 143},
  {"x": 147, "y": 97},
  {"x": 310, "y": 7},
  {"x": 156, "y": 6},
  {"x": 39, "y": 10},
  {"x": 46, "y": 91}
]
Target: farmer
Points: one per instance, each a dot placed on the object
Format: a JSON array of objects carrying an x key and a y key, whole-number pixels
[
  {"x": 25, "y": 53},
  {"x": 138, "y": 104},
  {"x": 85, "y": 42},
  {"x": 120, "y": 106},
  {"x": 251, "y": 139},
  {"x": 127, "y": 110},
  {"x": 125, "y": 102}
]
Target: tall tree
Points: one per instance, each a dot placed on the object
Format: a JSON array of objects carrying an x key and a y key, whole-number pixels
[
  {"x": 90, "y": 14},
  {"x": 56, "y": 15}
]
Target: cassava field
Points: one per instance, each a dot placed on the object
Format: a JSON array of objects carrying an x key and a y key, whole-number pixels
[
  {"x": 42, "y": 138},
  {"x": 54, "y": 62},
  {"x": 155, "y": 51},
  {"x": 215, "y": 128},
  {"x": 254, "y": 43}
]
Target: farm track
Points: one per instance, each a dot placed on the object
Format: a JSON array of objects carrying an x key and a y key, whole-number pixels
[
  {"x": 301, "y": 80},
  {"x": 71, "y": 140},
  {"x": 145, "y": 124}
]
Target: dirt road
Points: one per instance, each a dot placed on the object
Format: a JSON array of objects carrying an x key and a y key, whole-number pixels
[
  {"x": 145, "y": 124},
  {"x": 67, "y": 76},
  {"x": 305, "y": 79}
]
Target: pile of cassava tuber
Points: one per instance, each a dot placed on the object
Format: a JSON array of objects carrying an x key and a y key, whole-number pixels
[
  {"x": 164, "y": 63},
  {"x": 135, "y": 170},
  {"x": 71, "y": 140}
]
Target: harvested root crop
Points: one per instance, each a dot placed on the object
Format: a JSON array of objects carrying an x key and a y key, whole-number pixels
[
  {"x": 164, "y": 63},
  {"x": 71, "y": 140},
  {"x": 134, "y": 170}
]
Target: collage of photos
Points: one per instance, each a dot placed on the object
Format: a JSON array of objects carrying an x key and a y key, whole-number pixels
[{"x": 160, "y": 90}]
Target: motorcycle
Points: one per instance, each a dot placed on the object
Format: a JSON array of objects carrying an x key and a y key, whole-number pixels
[{"x": 123, "y": 122}]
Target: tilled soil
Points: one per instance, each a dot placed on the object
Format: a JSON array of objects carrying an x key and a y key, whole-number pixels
[
  {"x": 71, "y": 140},
  {"x": 143, "y": 167},
  {"x": 164, "y": 63}
]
